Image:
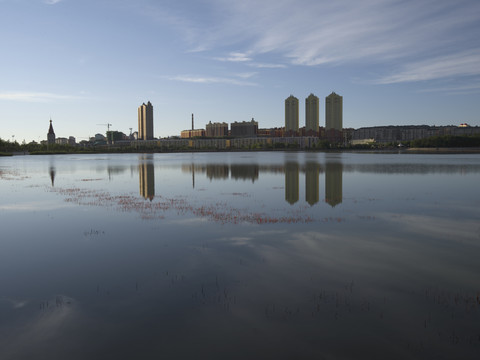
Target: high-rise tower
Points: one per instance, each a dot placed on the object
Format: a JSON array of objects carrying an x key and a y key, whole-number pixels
[
  {"x": 291, "y": 115},
  {"x": 334, "y": 112},
  {"x": 145, "y": 121},
  {"x": 51, "y": 134},
  {"x": 311, "y": 115}
]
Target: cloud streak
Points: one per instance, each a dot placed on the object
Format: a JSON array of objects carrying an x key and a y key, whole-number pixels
[
  {"x": 34, "y": 96},
  {"x": 210, "y": 80},
  {"x": 235, "y": 57}
]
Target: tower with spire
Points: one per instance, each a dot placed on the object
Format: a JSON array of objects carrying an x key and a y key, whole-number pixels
[{"x": 51, "y": 134}]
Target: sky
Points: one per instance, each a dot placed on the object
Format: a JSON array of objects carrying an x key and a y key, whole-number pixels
[{"x": 87, "y": 63}]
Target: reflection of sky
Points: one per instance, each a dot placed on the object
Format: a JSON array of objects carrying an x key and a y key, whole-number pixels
[{"x": 380, "y": 274}]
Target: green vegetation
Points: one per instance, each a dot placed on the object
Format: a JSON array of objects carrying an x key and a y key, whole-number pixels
[{"x": 446, "y": 141}]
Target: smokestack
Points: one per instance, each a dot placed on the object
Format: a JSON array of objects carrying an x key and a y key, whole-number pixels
[{"x": 192, "y": 123}]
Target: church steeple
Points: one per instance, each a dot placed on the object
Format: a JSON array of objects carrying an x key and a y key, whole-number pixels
[
  {"x": 50, "y": 129},
  {"x": 51, "y": 134}
]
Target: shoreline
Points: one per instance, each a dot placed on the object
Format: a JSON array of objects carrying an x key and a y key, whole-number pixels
[
  {"x": 442, "y": 150},
  {"x": 445, "y": 150}
]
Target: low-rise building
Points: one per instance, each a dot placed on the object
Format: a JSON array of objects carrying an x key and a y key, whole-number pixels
[
  {"x": 216, "y": 129},
  {"x": 195, "y": 133},
  {"x": 244, "y": 128},
  {"x": 61, "y": 141}
]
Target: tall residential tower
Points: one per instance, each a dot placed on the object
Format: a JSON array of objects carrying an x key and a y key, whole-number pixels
[
  {"x": 291, "y": 115},
  {"x": 145, "y": 121},
  {"x": 311, "y": 115},
  {"x": 334, "y": 112}
]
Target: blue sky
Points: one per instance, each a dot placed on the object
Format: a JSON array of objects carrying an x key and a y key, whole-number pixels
[{"x": 89, "y": 62}]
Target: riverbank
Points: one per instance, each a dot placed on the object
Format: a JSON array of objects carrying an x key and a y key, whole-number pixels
[{"x": 445, "y": 150}]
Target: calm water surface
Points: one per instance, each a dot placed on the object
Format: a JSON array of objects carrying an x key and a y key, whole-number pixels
[{"x": 240, "y": 256}]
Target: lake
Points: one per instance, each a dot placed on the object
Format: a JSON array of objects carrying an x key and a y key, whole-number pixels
[{"x": 265, "y": 255}]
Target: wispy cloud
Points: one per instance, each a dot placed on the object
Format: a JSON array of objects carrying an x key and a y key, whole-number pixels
[
  {"x": 235, "y": 57},
  {"x": 34, "y": 96},
  {"x": 465, "y": 63},
  {"x": 210, "y": 80},
  {"x": 431, "y": 39},
  {"x": 457, "y": 89},
  {"x": 267, "y": 66},
  {"x": 52, "y": 2},
  {"x": 246, "y": 75}
]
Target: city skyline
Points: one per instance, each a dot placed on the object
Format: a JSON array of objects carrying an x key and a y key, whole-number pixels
[{"x": 230, "y": 62}]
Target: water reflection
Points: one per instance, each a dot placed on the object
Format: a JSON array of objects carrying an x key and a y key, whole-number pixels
[
  {"x": 268, "y": 278},
  {"x": 146, "y": 174},
  {"x": 52, "y": 175},
  {"x": 218, "y": 172},
  {"x": 333, "y": 183},
  {"x": 291, "y": 170},
  {"x": 291, "y": 182},
  {"x": 312, "y": 183},
  {"x": 113, "y": 170},
  {"x": 245, "y": 172}
]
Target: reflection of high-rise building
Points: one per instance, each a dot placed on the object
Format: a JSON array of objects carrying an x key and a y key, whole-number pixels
[
  {"x": 147, "y": 180},
  {"x": 311, "y": 115},
  {"x": 334, "y": 112},
  {"x": 291, "y": 182},
  {"x": 51, "y": 134},
  {"x": 333, "y": 183},
  {"x": 291, "y": 115},
  {"x": 312, "y": 183},
  {"x": 145, "y": 121}
]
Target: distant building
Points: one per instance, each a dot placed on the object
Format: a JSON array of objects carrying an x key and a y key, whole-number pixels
[
  {"x": 145, "y": 121},
  {"x": 51, "y": 134},
  {"x": 334, "y": 112},
  {"x": 244, "y": 129},
  {"x": 61, "y": 141},
  {"x": 395, "y": 134},
  {"x": 113, "y": 136},
  {"x": 187, "y": 134},
  {"x": 72, "y": 141},
  {"x": 311, "y": 115},
  {"x": 217, "y": 129},
  {"x": 99, "y": 137}
]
